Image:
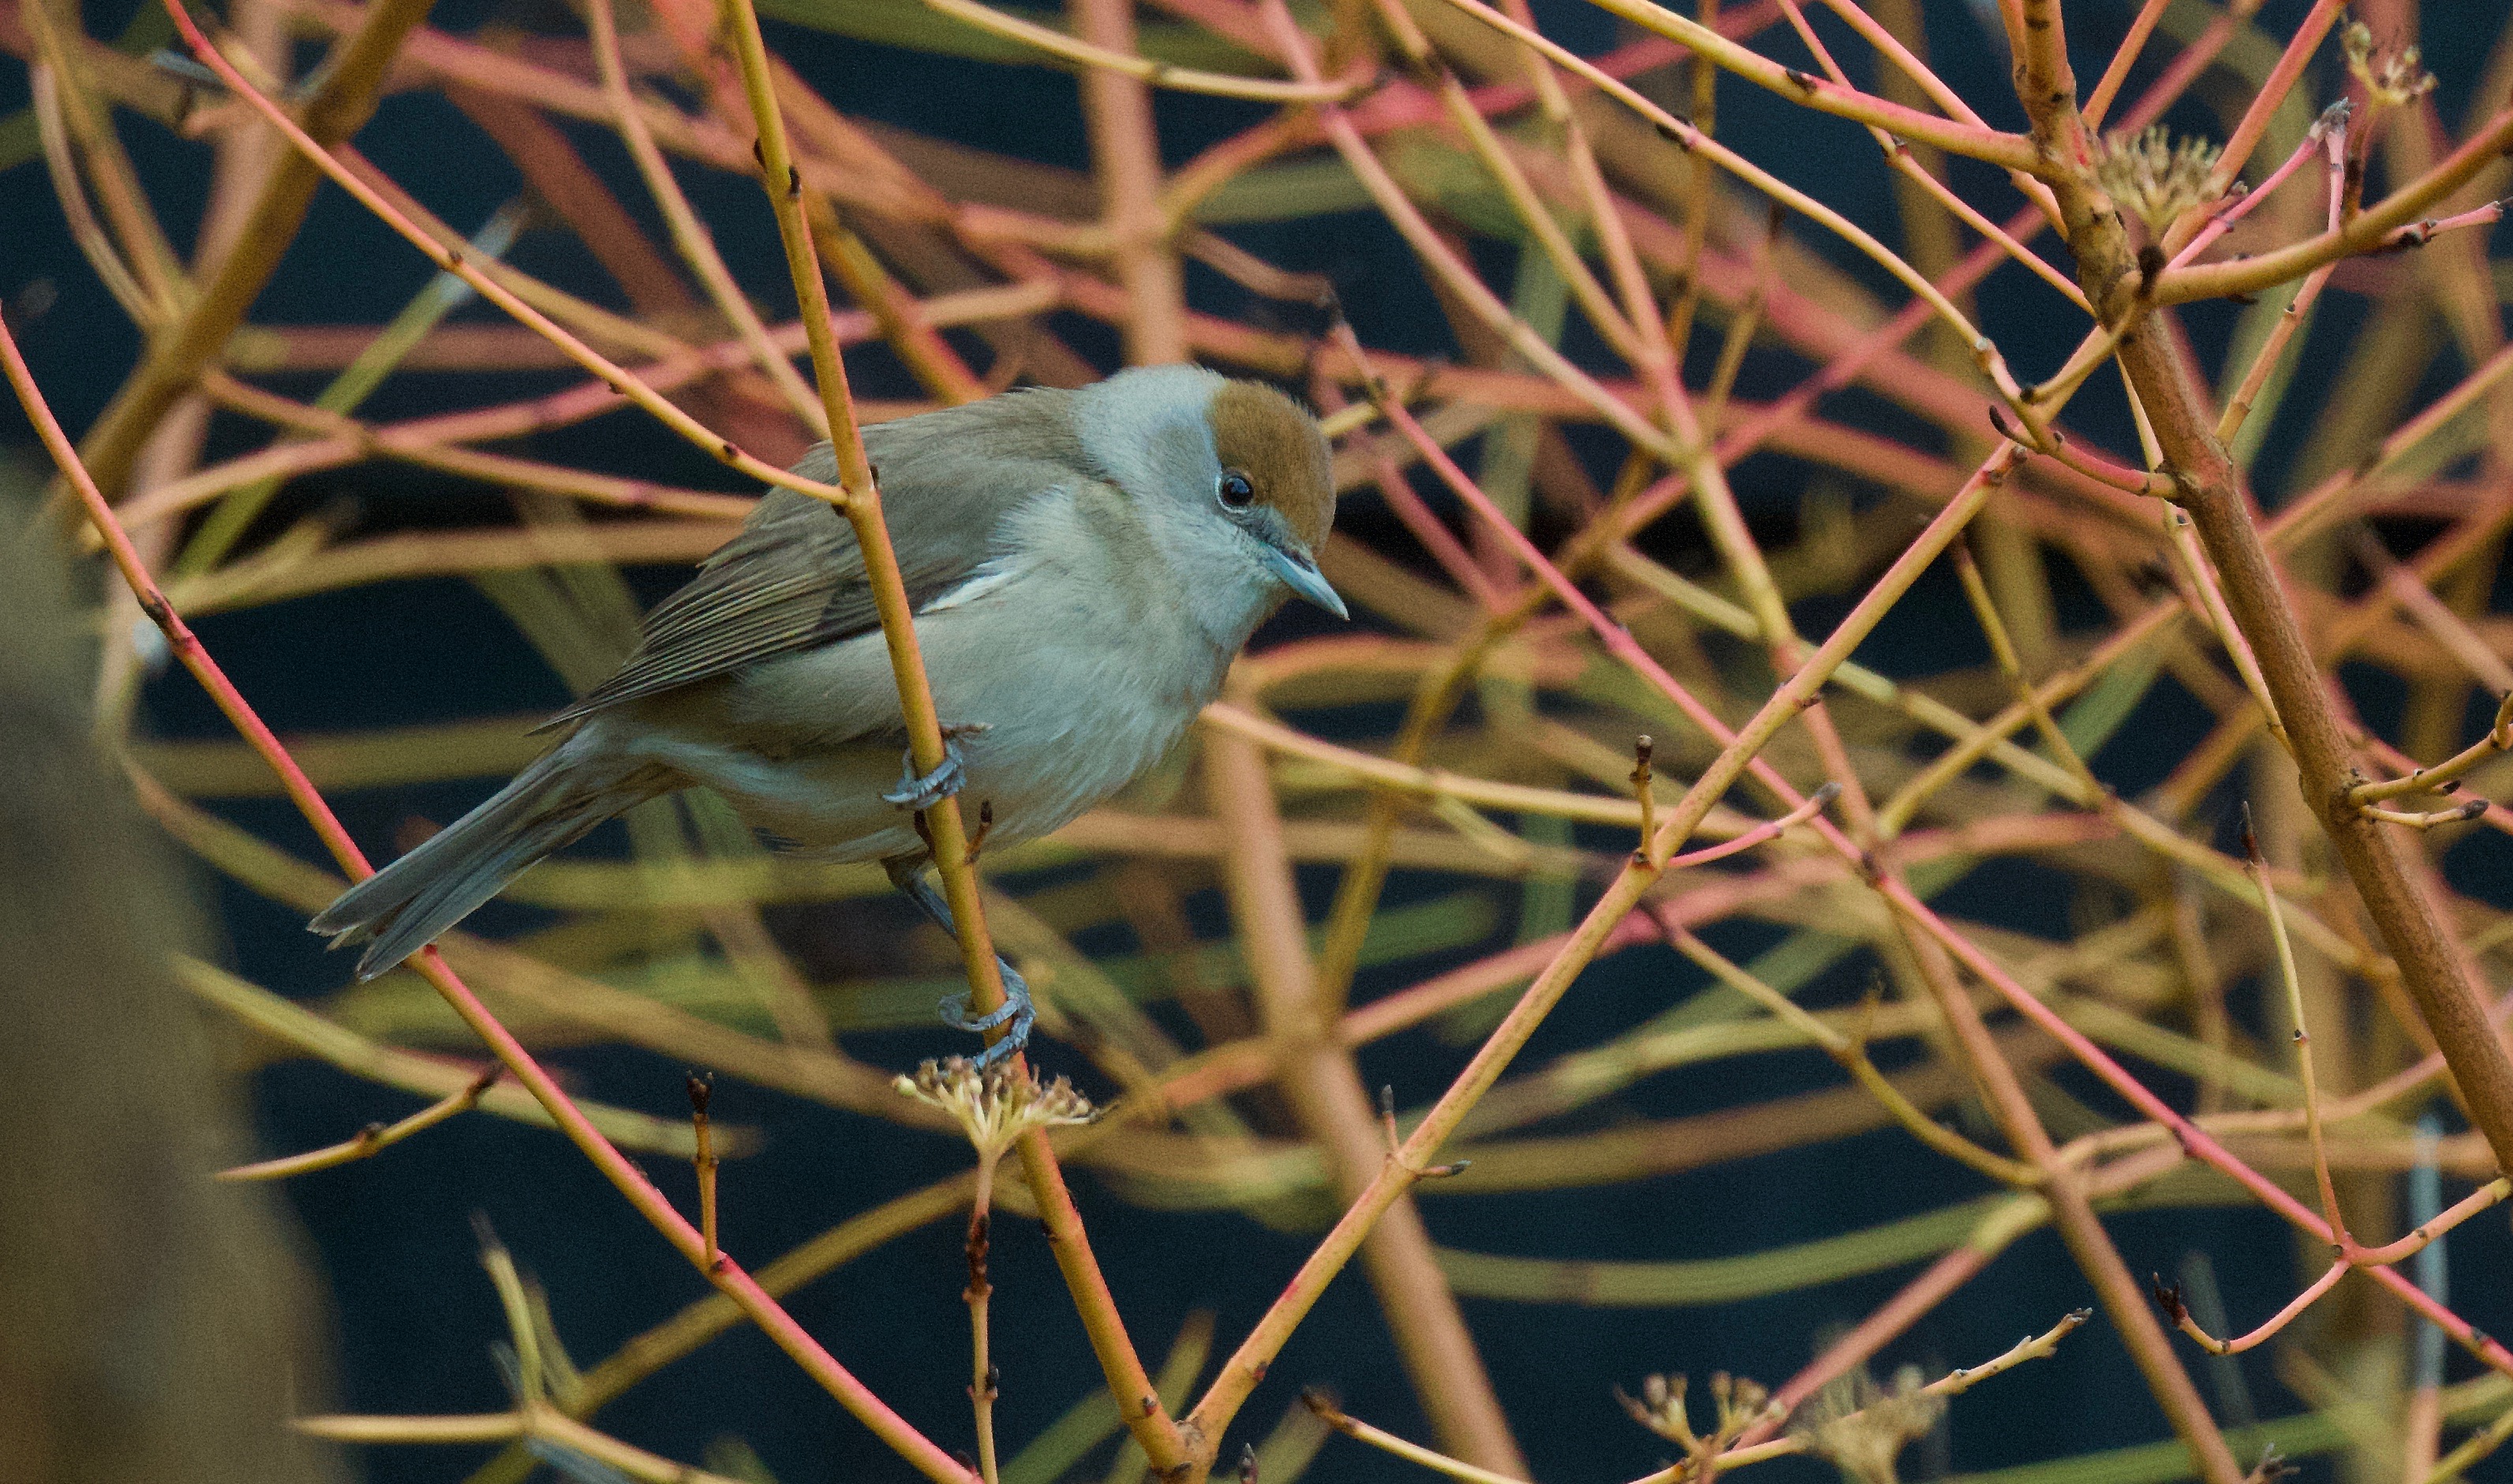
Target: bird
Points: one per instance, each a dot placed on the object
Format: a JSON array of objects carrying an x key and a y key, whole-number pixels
[{"x": 1083, "y": 565}]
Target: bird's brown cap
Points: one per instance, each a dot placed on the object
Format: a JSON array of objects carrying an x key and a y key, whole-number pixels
[{"x": 1271, "y": 439}]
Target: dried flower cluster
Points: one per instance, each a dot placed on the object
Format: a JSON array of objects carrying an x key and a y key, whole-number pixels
[
  {"x": 2392, "y": 78},
  {"x": 1736, "y": 1401},
  {"x": 996, "y": 1104},
  {"x": 1862, "y": 1428},
  {"x": 2152, "y": 177}
]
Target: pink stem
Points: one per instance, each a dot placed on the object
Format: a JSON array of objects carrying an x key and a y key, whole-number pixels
[
  {"x": 2281, "y": 1318},
  {"x": 2193, "y": 1138},
  {"x": 1769, "y": 829},
  {"x": 893, "y": 1429},
  {"x": 1899, "y": 893}
]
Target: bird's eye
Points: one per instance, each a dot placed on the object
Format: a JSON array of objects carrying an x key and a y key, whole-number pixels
[{"x": 1236, "y": 491}]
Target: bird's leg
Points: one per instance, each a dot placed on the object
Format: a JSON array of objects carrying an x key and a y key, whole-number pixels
[
  {"x": 910, "y": 877},
  {"x": 923, "y": 791}
]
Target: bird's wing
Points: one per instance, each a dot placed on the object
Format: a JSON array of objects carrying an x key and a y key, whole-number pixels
[{"x": 794, "y": 578}]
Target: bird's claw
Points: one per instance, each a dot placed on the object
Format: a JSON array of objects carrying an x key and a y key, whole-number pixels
[
  {"x": 1015, "y": 1009},
  {"x": 923, "y": 791}
]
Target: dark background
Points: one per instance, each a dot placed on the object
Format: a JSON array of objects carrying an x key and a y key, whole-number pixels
[{"x": 416, "y": 1315}]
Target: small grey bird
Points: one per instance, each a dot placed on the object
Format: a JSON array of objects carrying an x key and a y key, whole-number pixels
[{"x": 1084, "y": 566}]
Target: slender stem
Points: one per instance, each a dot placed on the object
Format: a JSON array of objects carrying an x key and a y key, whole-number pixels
[
  {"x": 906, "y": 325},
  {"x": 703, "y": 1161},
  {"x": 2405, "y": 914},
  {"x": 2470, "y": 1205},
  {"x": 1385, "y": 1441},
  {"x": 1421, "y": 782},
  {"x": 371, "y": 1138},
  {"x": 155, "y": 274},
  {"x": 2333, "y": 145},
  {"x": 1104, "y": 57},
  {"x": 1739, "y": 338},
  {"x": 1534, "y": 214},
  {"x": 43, "y": 85},
  {"x": 537, "y": 1420},
  {"x": 1125, "y": 149},
  {"x": 482, "y": 1427},
  {"x": 1851, "y": 1055},
  {"x": 2303, "y": 1064},
  {"x": 942, "y": 820},
  {"x": 2116, "y": 72},
  {"x": 1972, "y": 140},
  {"x": 2211, "y": 603},
  {"x": 2439, "y": 777},
  {"x": 1769, "y": 829},
  {"x": 519, "y": 1062},
  {"x": 981, "y": 1365},
  {"x": 178, "y": 352},
  {"x": 2295, "y": 1307},
  {"x": 1322, "y": 1084},
  {"x": 2364, "y": 232},
  {"x": 2002, "y": 649},
  {"x": 455, "y": 261},
  {"x": 690, "y": 235}
]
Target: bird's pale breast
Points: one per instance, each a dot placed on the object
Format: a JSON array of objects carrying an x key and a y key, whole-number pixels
[{"x": 1077, "y": 694}]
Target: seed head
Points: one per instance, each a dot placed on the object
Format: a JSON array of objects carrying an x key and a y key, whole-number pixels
[
  {"x": 1861, "y": 1428},
  {"x": 1738, "y": 1401},
  {"x": 997, "y": 1105},
  {"x": 1660, "y": 1408},
  {"x": 2153, "y": 177},
  {"x": 2392, "y": 79}
]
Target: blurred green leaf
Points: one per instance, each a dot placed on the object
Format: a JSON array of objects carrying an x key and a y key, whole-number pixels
[{"x": 906, "y": 24}]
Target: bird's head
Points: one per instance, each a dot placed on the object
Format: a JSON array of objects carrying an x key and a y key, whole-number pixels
[{"x": 1240, "y": 472}]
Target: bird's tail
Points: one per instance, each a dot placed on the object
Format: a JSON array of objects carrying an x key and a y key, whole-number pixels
[{"x": 555, "y": 802}]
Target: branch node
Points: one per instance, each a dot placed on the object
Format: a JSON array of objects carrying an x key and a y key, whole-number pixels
[{"x": 2167, "y": 1298}]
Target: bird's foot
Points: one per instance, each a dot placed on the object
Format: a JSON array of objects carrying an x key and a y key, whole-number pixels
[
  {"x": 908, "y": 875},
  {"x": 1015, "y": 1010},
  {"x": 923, "y": 790}
]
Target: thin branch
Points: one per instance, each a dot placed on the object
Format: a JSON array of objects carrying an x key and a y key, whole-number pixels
[
  {"x": 1381, "y": 1438},
  {"x": 520, "y": 1063},
  {"x": 2365, "y": 233},
  {"x": 1984, "y": 350},
  {"x": 1159, "y": 74},
  {"x": 1852, "y": 1056},
  {"x": 455, "y": 262},
  {"x": 375, "y": 1137},
  {"x": 1972, "y": 140},
  {"x": 1954, "y": 1382},
  {"x": 861, "y": 504},
  {"x": 690, "y": 235}
]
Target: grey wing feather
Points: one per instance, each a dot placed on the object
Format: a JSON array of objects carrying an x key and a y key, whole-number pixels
[{"x": 793, "y": 578}]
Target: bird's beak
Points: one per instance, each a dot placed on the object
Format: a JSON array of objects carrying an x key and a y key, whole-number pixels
[{"x": 1291, "y": 562}]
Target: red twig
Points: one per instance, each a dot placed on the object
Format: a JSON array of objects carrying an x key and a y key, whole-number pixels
[{"x": 726, "y": 1275}]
